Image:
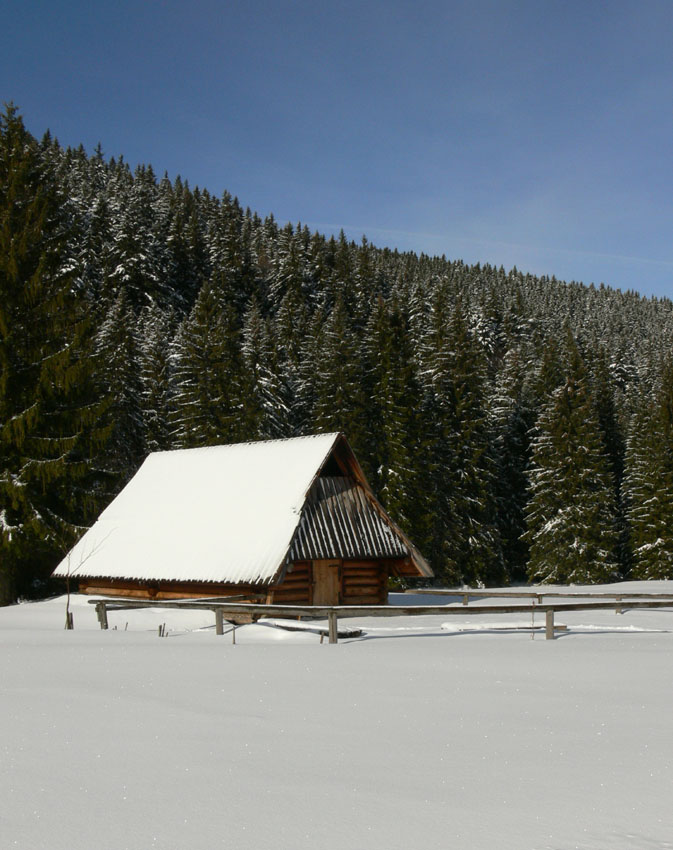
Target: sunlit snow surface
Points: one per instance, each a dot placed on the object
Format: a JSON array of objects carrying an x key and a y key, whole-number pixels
[
  {"x": 411, "y": 736},
  {"x": 221, "y": 513}
]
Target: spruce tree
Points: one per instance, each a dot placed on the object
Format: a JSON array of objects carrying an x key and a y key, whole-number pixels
[
  {"x": 460, "y": 464},
  {"x": 571, "y": 516},
  {"x": 266, "y": 410},
  {"x": 208, "y": 390},
  {"x": 49, "y": 405},
  {"x": 154, "y": 373},
  {"x": 340, "y": 401},
  {"x": 395, "y": 434},
  {"x": 648, "y": 485},
  {"x": 511, "y": 418},
  {"x": 117, "y": 345}
]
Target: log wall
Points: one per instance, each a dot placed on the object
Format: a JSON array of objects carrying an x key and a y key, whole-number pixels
[
  {"x": 364, "y": 583},
  {"x": 296, "y": 589},
  {"x": 361, "y": 583},
  {"x": 167, "y": 589}
]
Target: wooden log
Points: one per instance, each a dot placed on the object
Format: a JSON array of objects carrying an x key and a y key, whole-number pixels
[
  {"x": 361, "y": 565},
  {"x": 101, "y": 611},
  {"x": 333, "y": 631},
  {"x": 371, "y": 599},
  {"x": 362, "y": 590},
  {"x": 538, "y": 595},
  {"x": 549, "y": 624},
  {"x": 219, "y": 622},
  {"x": 255, "y": 611},
  {"x": 363, "y": 581},
  {"x": 166, "y": 590},
  {"x": 299, "y": 596},
  {"x": 360, "y": 573}
]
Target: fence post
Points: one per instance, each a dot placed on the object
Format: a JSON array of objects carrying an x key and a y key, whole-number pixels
[
  {"x": 466, "y": 598},
  {"x": 549, "y": 624},
  {"x": 333, "y": 632},
  {"x": 219, "y": 622},
  {"x": 619, "y": 609},
  {"x": 101, "y": 610}
]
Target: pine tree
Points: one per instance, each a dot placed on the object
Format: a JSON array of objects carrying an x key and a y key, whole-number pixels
[
  {"x": 340, "y": 403},
  {"x": 460, "y": 464},
  {"x": 605, "y": 394},
  {"x": 291, "y": 330},
  {"x": 49, "y": 406},
  {"x": 648, "y": 484},
  {"x": 118, "y": 346},
  {"x": 393, "y": 397},
  {"x": 511, "y": 415},
  {"x": 208, "y": 395},
  {"x": 266, "y": 410},
  {"x": 571, "y": 515},
  {"x": 154, "y": 373}
]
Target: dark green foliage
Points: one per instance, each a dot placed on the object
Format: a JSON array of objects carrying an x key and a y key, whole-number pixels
[
  {"x": 511, "y": 419},
  {"x": 155, "y": 384},
  {"x": 267, "y": 411},
  {"x": 394, "y": 438},
  {"x": 340, "y": 400},
  {"x": 465, "y": 542},
  {"x": 649, "y": 484},
  {"x": 571, "y": 514},
  {"x": 119, "y": 372},
  {"x": 208, "y": 399},
  {"x": 49, "y": 406},
  {"x": 139, "y": 314}
]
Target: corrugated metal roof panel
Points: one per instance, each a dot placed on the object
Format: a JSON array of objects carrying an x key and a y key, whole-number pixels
[
  {"x": 221, "y": 514},
  {"x": 338, "y": 521}
]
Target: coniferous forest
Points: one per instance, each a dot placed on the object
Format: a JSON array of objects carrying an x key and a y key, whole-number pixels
[{"x": 517, "y": 427}]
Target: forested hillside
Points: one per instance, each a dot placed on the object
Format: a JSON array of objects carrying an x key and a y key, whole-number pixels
[{"x": 515, "y": 426}]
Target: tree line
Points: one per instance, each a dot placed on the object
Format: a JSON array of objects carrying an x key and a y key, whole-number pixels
[{"x": 517, "y": 427}]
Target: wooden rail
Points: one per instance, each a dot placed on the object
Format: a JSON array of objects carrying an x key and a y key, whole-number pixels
[
  {"x": 333, "y": 612},
  {"x": 539, "y": 595}
]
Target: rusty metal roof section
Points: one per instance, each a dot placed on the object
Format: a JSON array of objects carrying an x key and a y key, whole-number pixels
[{"x": 339, "y": 521}]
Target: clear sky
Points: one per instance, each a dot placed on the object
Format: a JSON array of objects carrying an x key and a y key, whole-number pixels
[{"x": 533, "y": 133}]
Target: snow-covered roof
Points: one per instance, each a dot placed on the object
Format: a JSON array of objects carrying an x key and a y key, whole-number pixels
[{"x": 220, "y": 514}]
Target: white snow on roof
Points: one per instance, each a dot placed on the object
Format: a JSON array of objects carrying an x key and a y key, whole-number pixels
[{"x": 222, "y": 514}]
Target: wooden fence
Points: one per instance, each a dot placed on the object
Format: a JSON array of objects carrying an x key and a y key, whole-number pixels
[
  {"x": 333, "y": 613},
  {"x": 538, "y": 595}
]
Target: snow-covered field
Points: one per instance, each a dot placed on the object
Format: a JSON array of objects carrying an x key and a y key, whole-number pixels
[{"x": 411, "y": 736}]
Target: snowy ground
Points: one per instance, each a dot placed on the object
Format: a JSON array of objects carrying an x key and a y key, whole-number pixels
[{"x": 411, "y": 736}]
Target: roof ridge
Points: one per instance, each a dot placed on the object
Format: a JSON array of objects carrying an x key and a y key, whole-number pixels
[{"x": 333, "y": 434}]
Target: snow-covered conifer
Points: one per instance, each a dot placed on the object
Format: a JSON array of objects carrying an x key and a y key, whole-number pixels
[{"x": 571, "y": 515}]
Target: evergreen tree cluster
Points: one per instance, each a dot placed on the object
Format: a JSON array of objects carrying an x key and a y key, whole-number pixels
[{"x": 515, "y": 426}]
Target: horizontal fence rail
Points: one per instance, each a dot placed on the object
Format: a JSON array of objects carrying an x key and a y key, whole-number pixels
[
  {"x": 538, "y": 595},
  {"x": 333, "y": 612}
]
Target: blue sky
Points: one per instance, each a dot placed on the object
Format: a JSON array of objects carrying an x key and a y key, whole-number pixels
[{"x": 536, "y": 134}]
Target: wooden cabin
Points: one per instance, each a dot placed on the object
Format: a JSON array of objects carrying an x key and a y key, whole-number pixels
[{"x": 282, "y": 521}]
